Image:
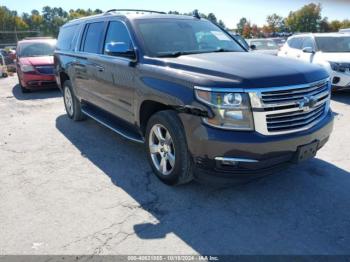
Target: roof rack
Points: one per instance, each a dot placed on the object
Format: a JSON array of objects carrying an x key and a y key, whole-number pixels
[{"x": 138, "y": 11}]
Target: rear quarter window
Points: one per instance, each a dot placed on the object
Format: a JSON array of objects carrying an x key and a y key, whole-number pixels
[
  {"x": 67, "y": 38},
  {"x": 296, "y": 42}
]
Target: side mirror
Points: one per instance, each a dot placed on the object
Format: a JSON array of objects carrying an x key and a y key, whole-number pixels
[
  {"x": 308, "y": 50},
  {"x": 252, "y": 47},
  {"x": 120, "y": 49}
]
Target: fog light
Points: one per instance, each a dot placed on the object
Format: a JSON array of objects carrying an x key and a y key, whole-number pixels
[{"x": 336, "y": 80}]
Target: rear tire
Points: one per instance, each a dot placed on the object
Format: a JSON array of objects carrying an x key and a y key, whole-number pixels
[
  {"x": 71, "y": 103},
  {"x": 167, "y": 150}
]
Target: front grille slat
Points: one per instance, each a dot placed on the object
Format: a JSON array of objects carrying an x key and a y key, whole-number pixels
[
  {"x": 290, "y": 97},
  {"x": 295, "y": 122},
  {"x": 292, "y": 113},
  {"x": 292, "y": 109},
  {"x": 300, "y": 117},
  {"x": 293, "y": 91}
]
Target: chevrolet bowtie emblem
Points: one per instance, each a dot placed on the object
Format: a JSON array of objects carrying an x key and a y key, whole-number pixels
[{"x": 307, "y": 102}]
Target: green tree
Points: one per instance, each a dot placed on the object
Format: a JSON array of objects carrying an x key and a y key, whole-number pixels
[
  {"x": 240, "y": 26},
  {"x": 306, "y": 19},
  {"x": 325, "y": 26},
  {"x": 274, "y": 22}
]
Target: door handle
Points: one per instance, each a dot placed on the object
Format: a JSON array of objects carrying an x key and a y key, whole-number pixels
[
  {"x": 298, "y": 56},
  {"x": 100, "y": 68}
]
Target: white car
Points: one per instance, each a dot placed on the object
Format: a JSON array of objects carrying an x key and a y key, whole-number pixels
[
  {"x": 3, "y": 68},
  {"x": 263, "y": 46},
  {"x": 331, "y": 50}
]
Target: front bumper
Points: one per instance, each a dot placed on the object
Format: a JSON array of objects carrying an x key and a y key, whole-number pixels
[
  {"x": 340, "y": 81},
  {"x": 267, "y": 152},
  {"x": 38, "y": 81}
]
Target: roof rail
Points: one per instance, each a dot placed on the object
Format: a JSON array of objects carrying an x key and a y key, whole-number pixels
[{"x": 134, "y": 10}]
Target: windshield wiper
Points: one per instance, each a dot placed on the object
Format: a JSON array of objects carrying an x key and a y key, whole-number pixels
[
  {"x": 222, "y": 50},
  {"x": 180, "y": 53},
  {"x": 177, "y": 54}
]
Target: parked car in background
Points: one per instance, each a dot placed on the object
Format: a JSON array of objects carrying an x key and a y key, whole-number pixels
[
  {"x": 331, "y": 50},
  {"x": 263, "y": 46},
  {"x": 280, "y": 41},
  {"x": 10, "y": 57},
  {"x": 240, "y": 39},
  {"x": 34, "y": 63},
  {"x": 346, "y": 30},
  {"x": 203, "y": 106},
  {"x": 3, "y": 67}
]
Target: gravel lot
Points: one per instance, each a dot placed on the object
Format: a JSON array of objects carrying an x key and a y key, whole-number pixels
[{"x": 78, "y": 188}]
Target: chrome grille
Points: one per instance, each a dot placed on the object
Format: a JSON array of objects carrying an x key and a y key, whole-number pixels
[
  {"x": 292, "y": 120},
  {"x": 291, "y": 108},
  {"x": 294, "y": 95}
]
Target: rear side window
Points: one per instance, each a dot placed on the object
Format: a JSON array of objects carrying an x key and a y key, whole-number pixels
[
  {"x": 65, "y": 38},
  {"x": 93, "y": 36},
  {"x": 117, "y": 33},
  {"x": 308, "y": 43},
  {"x": 296, "y": 42}
]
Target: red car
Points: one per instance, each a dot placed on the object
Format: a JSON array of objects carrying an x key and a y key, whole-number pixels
[{"x": 35, "y": 67}]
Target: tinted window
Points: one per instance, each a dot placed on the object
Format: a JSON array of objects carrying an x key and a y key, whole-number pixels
[
  {"x": 296, "y": 42},
  {"x": 163, "y": 37},
  {"x": 117, "y": 33},
  {"x": 329, "y": 44},
  {"x": 65, "y": 38},
  {"x": 93, "y": 36},
  {"x": 308, "y": 43}
]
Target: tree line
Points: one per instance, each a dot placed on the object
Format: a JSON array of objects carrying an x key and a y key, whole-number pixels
[
  {"x": 306, "y": 19},
  {"x": 50, "y": 19}
]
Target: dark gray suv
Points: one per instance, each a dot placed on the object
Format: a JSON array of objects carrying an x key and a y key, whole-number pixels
[{"x": 204, "y": 107}]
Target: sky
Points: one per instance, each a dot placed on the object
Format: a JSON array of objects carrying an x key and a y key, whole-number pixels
[{"x": 230, "y": 11}]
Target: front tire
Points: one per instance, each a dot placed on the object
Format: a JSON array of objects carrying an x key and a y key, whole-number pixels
[
  {"x": 167, "y": 149},
  {"x": 71, "y": 103}
]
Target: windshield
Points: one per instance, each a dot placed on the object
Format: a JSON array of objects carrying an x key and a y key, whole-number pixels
[
  {"x": 30, "y": 49},
  {"x": 162, "y": 37},
  {"x": 333, "y": 44},
  {"x": 264, "y": 44}
]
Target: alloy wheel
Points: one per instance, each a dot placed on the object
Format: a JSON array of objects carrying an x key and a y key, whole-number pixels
[{"x": 162, "y": 149}]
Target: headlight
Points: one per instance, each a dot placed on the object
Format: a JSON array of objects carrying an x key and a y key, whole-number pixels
[
  {"x": 27, "y": 68},
  {"x": 231, "y": 110},
  {"x": 339, "y": 67}
]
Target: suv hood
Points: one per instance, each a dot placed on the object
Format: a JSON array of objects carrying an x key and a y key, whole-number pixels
[
  {"x": 244, "y": 69},
  {"x": 37, "y": 60}
]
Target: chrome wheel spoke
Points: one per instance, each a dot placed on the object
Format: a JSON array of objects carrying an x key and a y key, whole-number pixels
[
  {"x": 171, "y": 159},
  {"x": 159, "y": 134},
  {"x": 163, "y": 165},
  {"x": 154, "y": 149},
  {"x": 168, "y": 138}
]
